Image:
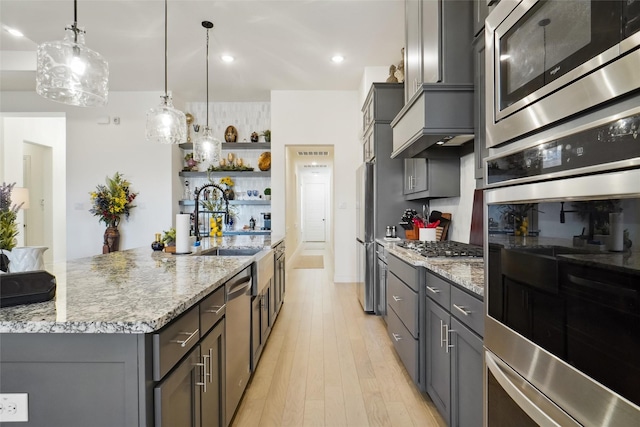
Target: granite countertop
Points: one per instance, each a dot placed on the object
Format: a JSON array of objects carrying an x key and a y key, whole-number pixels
[
  {"x": 131, "y": 291},
  {"x": 466, "y": 272}
]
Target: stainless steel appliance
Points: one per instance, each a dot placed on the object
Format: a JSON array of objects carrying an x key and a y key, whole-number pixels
[
  {"x": 549, "y": 60},
  {"x": 379, "y": 202},
  {"x": 238, "y": 339},
  {"x": 562, "y": 326}
]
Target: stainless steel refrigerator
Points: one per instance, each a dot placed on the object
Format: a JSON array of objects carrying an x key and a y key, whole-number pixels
[{"x": 379, "y": 203}]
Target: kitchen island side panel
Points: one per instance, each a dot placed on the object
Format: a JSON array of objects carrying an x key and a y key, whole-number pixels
[{"x": 78, "y": 379}]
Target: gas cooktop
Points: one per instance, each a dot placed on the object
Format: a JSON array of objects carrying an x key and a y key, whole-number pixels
[{"x": 442, "y": 249}]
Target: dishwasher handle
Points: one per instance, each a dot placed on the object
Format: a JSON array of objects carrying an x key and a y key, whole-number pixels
[{"x": 238, "y": 289}]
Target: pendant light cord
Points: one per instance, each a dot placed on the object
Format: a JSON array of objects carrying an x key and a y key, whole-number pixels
[
  {"x": 207, "y": 77},
  {"x": 75, "y": 21},
  {"x": 166, "y": 92}
]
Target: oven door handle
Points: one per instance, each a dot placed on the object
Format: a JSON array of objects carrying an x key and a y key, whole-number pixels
[{"x": 536, "y": 405}]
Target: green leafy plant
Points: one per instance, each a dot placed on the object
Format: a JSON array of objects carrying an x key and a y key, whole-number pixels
[
  {"x": 267, "y": 135},
  {"x": 169, "y": 236},
  {"x": 267, "y": 191},
  {"x": 8, "y": 216}
]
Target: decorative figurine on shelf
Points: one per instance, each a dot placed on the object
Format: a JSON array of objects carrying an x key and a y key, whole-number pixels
[
  {"x": 252, "y": 223},
  {"x": 264, "y": 161},
  {"x": 231, "y": 134},
  {"x": 254, "y": 136},
  {"x": 392, "y": 78}
]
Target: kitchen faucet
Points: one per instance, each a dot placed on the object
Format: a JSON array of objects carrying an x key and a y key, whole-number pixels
[{"x": 197, "y": 199}]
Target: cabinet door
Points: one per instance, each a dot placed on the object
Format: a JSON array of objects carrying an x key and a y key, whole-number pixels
[
  {"x": 413, "y": 48},
  {"x": 177, "y": 398},
  {"x": 480, "y": 12},
  {"x": 212, "y": 355},
  {"x": 407, "y": 187},
  {"x": 382, "y": 288},
  {"x": 421, "y": 174},
  {"x": 430, "y": 35},
  {"x": 256, "y": 330},
  {"x": 466, "y": 376},
  {"x": 480, "y": 150},
  {"x": 438, "y": 365},
  {"x": 265, "y": 322}
]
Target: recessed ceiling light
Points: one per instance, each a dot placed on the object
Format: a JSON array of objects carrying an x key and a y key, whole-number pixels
[
  {"x": 14, "y": 32},
  {"x": 227, "y": 58},
  {"x": 337, "y": 58},
  {"x": 314, "y": 163}
]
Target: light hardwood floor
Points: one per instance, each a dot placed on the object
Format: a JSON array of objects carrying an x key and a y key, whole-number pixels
[{"x": 327, "y": 363}]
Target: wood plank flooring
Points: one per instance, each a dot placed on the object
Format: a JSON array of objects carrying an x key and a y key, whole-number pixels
[{"x": 327, "y": 363}]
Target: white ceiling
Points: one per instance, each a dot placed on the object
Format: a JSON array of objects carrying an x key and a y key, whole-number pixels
[{"x": 278, "y": 45}]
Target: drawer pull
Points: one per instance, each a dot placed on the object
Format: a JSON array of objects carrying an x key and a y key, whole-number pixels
[
  {"x": 397, "y": 298},
  {"x": 462, "y": 309},
  {"x": 216, "y": 309},
  {"x": 433, "y": 290},
  {"x": 396, "y": 337},
  {"x": 184, "y": 342}
]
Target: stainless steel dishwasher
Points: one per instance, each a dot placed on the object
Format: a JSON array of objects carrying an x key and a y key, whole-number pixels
[{"x": 238, "y": 337}]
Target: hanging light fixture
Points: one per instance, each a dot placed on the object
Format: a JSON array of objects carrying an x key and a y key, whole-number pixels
[
  {"x": 71, "y": 73},
  {"x": 206, "y": 148},
  {"x": 165, "y": 124}
]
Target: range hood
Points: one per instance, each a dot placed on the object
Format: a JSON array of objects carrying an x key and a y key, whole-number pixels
[{"x": 437, "y": 121}]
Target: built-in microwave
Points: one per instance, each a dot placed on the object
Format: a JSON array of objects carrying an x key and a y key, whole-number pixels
[{"x": 548, "y": 60}]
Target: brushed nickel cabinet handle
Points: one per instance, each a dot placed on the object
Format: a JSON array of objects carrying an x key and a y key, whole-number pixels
[
  {"x": 462, "y": 309},
  {"x": 183, "y": 343},
  {"x": 396, "y": 337},
  {"x": 216, "y": 309},
  {"x": 396, "y": 298},
  {"x": 433, "y": 290}
]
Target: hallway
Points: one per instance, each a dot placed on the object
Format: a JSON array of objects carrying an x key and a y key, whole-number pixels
[{"x": 327, "y": 363}]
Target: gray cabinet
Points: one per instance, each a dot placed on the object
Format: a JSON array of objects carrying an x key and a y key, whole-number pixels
[
  {"x": 260, "y": 323},
  {"x": 480, "y": 150},
  {"x": 381, "y": 281},
  {"x": 212, "y": 349},
  {"x": 454, "y": 324},
  {"x": 436, "y": 34},
  {"x": 403, "y": 314},
  {"x": 431, "y": 178},
  {"x": 279, "y": 279},
  {"x": 383, "y": 102},
  {"x": 481, "y": 9}
]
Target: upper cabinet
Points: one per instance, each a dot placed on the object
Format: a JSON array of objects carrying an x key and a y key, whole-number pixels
[{"x": 438, "y": 111}]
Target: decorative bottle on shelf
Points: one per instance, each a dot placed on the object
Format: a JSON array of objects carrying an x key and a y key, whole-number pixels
[{"x": 157, "y": 245}]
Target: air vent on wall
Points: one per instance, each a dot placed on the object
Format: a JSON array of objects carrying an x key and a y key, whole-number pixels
[
  {"x": 313, "y": 153},
  {"x": 315, "y": 166}
]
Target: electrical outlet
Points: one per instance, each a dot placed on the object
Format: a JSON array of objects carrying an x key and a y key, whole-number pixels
[{"x": 14, "y": 407}]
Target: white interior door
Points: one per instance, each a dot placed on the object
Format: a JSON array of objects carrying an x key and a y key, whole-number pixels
[
  {"x": 37, "y": 178},
  {"x": 314, "y": 211}
]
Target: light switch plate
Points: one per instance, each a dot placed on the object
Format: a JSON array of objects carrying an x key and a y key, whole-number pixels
[{"x": 14, "y": 407}]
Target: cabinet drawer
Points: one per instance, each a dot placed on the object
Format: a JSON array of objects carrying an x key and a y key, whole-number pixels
[
  {"x": 406, "y": 346},
  {"x": 468, "y": 310},
  {"x": 211, "y": 310},
  {"x": 406, "y": 272},
  {"x": 404, "y": 302},
  {"x": 174, "y": 341},
  {"x": 438, "y": 290}
]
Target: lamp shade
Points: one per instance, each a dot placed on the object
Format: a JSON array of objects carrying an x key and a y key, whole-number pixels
[
  {"x": 71, "y": 73},
  {"x": 165, "y": 124},
  {"x": 20, "y": 197}
]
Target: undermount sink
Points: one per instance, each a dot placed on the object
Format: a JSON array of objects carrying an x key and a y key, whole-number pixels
[{"x": 232, "y": 252}]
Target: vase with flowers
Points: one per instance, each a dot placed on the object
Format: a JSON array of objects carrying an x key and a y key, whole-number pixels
[
  {"x": 8, "y": 223},
  {"x": 228, "y": 183},
  {"x": 109, "y": 203}
]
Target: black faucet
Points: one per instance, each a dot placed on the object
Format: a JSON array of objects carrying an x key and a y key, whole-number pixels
[{"x": 197, "y": 199}]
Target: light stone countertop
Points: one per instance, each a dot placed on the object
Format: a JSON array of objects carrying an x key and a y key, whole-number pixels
[
  {"x": 130, "y": 291},
  {"x": 465, "y": 272}
]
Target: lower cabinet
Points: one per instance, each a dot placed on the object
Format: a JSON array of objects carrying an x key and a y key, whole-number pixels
[
  {"x": 261, "y": 320},
  {"x": 453, "y": 356},
  {"x": 192, "y": 395}
]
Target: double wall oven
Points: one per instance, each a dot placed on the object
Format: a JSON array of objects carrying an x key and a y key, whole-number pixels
[{"x": 562, "y": 212}]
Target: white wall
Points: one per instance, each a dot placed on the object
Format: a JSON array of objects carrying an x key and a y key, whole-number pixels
[
  {"x": 320, "y": 118},
  {"x": 94, "y": 151}
]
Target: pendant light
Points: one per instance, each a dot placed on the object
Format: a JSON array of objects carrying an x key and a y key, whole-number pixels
[
  {"x": 165, "y": 124},
  {"x": 206, "y": 148},
  {"x": 71, "y": 73}
]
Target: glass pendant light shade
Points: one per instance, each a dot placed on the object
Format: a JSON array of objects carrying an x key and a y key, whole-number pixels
[
  {"x": 71, "y": 73},
  {"x": 165, "y": 124},
  {"x": 206, "y": 148}
]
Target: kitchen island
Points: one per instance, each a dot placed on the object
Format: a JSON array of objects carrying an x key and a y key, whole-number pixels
[{"x": 90, "y": 355}]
